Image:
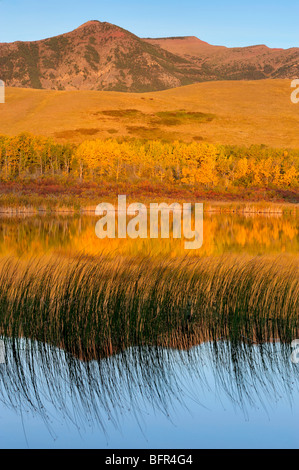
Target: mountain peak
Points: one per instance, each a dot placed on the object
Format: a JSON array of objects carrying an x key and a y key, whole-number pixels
[
  {"x": 103, "y": 56},
  {"x": 95, "y": 24},
  {"x": 92, "y": 23}
]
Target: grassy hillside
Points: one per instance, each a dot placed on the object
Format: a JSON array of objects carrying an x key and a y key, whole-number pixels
[{"x": 230, "y": 112}]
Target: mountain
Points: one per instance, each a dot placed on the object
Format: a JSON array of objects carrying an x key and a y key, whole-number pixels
[
  {"x": 95, "y": 56},
  {"x": 102, "y": 56},
  {"x": 237, "y": 63}
]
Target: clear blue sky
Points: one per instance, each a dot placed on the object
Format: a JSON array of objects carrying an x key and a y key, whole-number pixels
[{"x": 229, "y": 23}]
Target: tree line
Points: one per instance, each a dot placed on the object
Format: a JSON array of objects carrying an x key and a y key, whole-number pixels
[{"x": 195, "y": 164}]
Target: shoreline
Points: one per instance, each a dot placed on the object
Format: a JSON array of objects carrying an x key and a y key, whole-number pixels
[{"x": 219, "y": 207}]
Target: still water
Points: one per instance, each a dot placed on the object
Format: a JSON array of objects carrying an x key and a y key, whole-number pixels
[{"x": 171, "y": 385}]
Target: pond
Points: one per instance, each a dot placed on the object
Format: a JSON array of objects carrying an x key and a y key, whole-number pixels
[{"x": 140, "y": 344}]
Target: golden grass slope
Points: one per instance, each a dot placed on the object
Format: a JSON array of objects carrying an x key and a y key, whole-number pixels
[{"x": 234, "y": 112}]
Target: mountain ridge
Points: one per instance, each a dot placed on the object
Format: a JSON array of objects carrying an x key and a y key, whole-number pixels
[{"x": 103, "y": 56}]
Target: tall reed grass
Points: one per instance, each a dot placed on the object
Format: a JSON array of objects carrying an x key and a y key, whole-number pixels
[{"x": 95, "y": 306}]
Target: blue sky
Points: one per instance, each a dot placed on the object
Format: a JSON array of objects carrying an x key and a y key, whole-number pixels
[{"x": 229, "y": 23}]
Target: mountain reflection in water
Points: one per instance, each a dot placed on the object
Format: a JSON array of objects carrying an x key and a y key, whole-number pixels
[{"x": 143, "y": 381}]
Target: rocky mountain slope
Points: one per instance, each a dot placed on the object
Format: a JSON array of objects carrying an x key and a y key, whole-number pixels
[{"x": 102, "y": 56}]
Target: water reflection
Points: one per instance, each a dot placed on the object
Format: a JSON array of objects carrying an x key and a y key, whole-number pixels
[
  {"x": 106, "y": 334},
  {"x": 253, "y": 234},
  {"x": 142, "y": 381}
]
